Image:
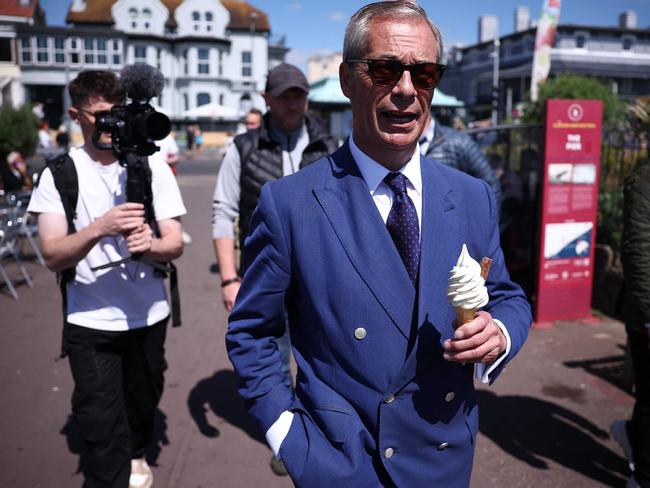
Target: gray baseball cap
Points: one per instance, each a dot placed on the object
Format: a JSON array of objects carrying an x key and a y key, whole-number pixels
[{"x": 283, "y": 77}]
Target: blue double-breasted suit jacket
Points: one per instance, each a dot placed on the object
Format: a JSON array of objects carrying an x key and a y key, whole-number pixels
[{"x": 375, "y": 403}]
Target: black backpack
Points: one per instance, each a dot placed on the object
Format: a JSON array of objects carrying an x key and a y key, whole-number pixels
[{"x": 66, "y": 182}]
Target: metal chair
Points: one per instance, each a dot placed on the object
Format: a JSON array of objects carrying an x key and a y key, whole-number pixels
[{"x": 9, "y": 234}]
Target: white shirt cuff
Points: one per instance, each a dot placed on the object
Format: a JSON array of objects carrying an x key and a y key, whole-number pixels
[
  {"x": 482, "y": 371},
  {"x": 278, "y": 431}
]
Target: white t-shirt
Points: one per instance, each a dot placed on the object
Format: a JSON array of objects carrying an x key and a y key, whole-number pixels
[{"x": 128, "y": 296}]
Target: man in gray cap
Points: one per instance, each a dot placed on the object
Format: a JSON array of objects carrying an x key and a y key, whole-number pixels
[{"x": 287, "y": 140}]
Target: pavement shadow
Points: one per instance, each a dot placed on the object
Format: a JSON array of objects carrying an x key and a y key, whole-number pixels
[
  {"x": 536, "y": 431},
  {"x": 219, "y": 394},
  {"x": 75, "y": 442},
  {"x": 616, "y": 370}
]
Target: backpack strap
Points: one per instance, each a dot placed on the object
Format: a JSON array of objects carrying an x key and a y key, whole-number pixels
[{"x": 66, "y": 182}]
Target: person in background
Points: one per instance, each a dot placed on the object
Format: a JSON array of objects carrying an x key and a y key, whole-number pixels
[
  {"x": 288, "y": 139},
  {"x": 634, "y": 435},
  {"x": 115, "y": 318},
  {"x": 62, "y": 139},
  {"x": 189, "y": 138},
  {"x": 45, "y": 144},
  {"x": 459, "y": 151},
  {"x": 198, "y": 139},
  {"x": 171, "y": 154},
  {"x": 253, "y": 119},
  {"x": 357, "y": 249},
  {"x": 18, "y": 167}
]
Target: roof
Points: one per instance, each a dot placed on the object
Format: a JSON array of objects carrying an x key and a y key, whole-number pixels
[
  {"x": 328, "y": 91},
  {"x": 242, "y": 14},
  {"x": 13, "y": 8}
]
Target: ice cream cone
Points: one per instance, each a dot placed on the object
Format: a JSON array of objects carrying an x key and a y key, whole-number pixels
[{"x": 464, "y": 315}]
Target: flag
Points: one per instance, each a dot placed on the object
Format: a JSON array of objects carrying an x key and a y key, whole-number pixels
[{"x": 546, "y": 28}]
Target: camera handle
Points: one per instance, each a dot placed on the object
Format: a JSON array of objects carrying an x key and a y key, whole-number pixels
[{"x": 138, "y": 190}]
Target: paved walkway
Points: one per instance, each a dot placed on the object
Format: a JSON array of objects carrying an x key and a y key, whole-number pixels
[{"x": 543, "y": 424}]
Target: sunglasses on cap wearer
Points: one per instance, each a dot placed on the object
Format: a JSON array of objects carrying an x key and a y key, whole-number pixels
[{"x": 387, "y": 72}]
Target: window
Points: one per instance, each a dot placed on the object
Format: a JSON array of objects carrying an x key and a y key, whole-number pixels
[
  {"x": 220, "y": 67},
  {"x": 133, "y": 12},
  {"x": 73, "y": 49},
  {"x": 185, "y": 63},
  {"x": 581, "y": 41},
  {"x": 158, "y": 58},
  {"x": 221, "y": 99},
  {"x": 627, "y": 44},
  {"x": 116, "y": 52},
  {"x": 186, "y": 102},
  {"x": 25, "y": 50},
  {"x": 204, "y": 61},
  {"x": 42, "y": 50},
  {"x": 139, "y": 54},
  {"x": 102, "y": 58},
  {"x": 208, "y": 21},
  {"x": 146, "y": 13},
  {"x": 89, "y": 53},
  {"x": 202, "y": 99},
  {"x": 59, "y": 50},
  {"x": 246, "y": 63},
  {"x": 196, "y": 17},
  {"x": 5, "y": 49}
]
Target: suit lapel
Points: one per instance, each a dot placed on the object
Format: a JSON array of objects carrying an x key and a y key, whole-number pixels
[
  {"x": 438, "y": 252},
  {"x": 346, "y": 201}
]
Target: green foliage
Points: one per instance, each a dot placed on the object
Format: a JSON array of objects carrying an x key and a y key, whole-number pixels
[
  {"x": 578, "y": 87},
  {"x": 18, "y": 130},
  {"x": 610, "y": 218}
]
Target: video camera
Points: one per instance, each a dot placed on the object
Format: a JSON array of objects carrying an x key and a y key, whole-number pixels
[{"x": 135, "y": 126}]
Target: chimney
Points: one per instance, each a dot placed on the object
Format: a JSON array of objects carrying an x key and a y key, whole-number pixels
[
  {"x": 627, "y": 20},
  {"x": 488, "y": 28},
  {"x": 78, "y": 6},
  {"x": 522, "y": 18}
]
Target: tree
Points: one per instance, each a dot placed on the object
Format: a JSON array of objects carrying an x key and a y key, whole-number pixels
[
  {"x": 578, "y": 87},
  {"x": 18, "y": 130}
]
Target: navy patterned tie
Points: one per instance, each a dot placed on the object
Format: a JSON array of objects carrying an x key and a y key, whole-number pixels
[{"x": 402, "y": 224}]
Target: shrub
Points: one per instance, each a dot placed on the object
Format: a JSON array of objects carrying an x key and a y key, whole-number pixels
[{"x": 18, "y": 130}]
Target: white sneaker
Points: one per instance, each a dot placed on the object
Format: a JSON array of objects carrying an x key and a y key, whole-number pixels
[
  {"x": 187, "y": 239},
  {"x": 141, "y": 475},
  {"x": 619, "y": 434}
]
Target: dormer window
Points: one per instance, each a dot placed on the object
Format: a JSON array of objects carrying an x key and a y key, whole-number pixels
[
  {"x": 146, "y": 13},
  {"x": 627, "y": 44},
  {"x": 196, "y": 16},
  {"x": 133, "y": 12},
  {"x": 208, "y": 21},
  {"x": 581, "y": 40}
]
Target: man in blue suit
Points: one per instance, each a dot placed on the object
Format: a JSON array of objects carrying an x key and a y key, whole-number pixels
[{"x": 384, "y": 393}]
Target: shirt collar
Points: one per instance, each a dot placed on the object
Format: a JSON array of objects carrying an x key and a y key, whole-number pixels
[{"x": 374, "y": 173}]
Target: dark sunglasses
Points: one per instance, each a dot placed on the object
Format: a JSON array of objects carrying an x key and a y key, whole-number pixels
[{"x": 387, "y": 72}]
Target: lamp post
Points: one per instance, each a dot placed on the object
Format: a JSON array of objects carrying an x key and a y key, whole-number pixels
[{"x": 495, "y": 82}]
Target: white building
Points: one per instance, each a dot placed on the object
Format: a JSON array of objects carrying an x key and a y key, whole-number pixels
[{"x": 210, "y": 51}]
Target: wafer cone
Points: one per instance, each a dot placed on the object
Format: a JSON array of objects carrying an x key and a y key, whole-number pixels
[{"x": 464, "y": 315}]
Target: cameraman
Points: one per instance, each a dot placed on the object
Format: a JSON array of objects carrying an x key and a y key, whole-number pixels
[{"x": 116, "y": 318}]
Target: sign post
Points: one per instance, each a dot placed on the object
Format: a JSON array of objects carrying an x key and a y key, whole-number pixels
[{"x": 569, "y": 209}]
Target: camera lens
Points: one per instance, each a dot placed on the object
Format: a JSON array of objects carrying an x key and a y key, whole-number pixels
[{"x": 153, "y": 125}]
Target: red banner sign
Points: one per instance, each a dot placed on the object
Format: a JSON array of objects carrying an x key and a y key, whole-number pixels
[{"x": 569, "y": 209}]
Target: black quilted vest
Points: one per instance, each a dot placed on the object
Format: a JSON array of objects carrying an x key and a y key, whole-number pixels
[{"x": 261, "y": 162}]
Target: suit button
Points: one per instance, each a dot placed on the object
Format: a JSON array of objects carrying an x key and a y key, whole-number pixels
[
  {"x": 389, "y": 399},
  {"x": 360, "y": 333},
  {"x": 443, "y": 446},
  {"x": 388, "y": 453},
  {"x": 450, "y": 396}
]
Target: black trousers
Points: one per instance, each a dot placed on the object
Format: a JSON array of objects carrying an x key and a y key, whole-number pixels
[
  {"x": 118, "y": 379},
  {"x": 640, "y": 426}
]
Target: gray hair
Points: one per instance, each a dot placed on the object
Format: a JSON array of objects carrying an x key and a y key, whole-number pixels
[{"x": 355, "y": 43}]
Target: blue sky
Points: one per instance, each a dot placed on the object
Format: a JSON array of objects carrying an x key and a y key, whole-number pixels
[{"x": 316, "y": 26}]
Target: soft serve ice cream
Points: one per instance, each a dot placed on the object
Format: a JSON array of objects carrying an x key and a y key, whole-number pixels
[{"x": 466, "y": 290}]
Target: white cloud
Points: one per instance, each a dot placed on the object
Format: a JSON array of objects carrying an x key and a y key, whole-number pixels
[
  {"x": 336, "y": 16},
  {"x": 295, "y": 6}
]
